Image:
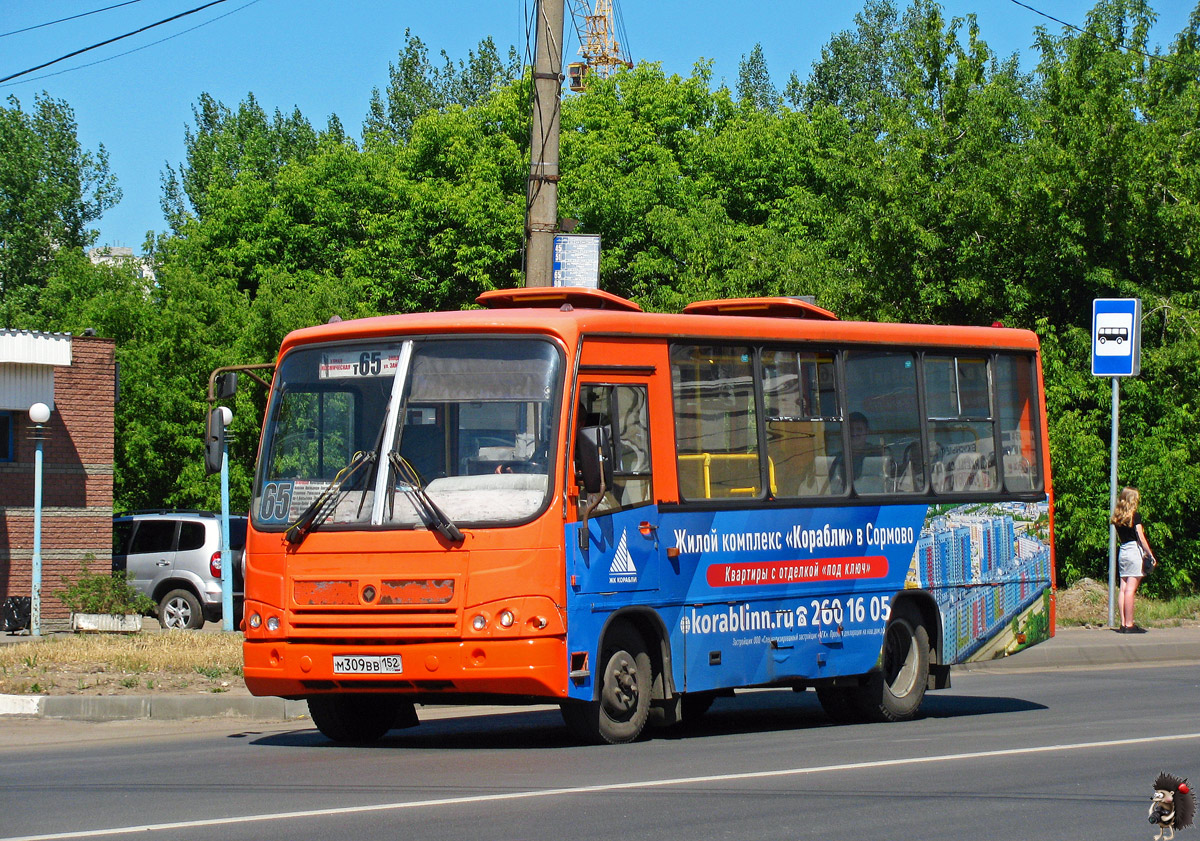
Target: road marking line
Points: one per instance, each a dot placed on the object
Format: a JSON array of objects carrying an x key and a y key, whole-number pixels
[{"x": 558, "y": 792}]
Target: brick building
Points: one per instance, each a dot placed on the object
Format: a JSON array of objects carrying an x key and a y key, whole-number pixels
[{"x": 76, "y": 377}]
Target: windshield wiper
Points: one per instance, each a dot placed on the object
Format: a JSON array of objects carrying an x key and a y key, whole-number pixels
[
  {"x": 316, "y": 512},
  {"x": 432, "y": 515}
]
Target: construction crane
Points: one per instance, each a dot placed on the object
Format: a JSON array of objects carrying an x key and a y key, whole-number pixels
[{"x": 602, "y": 53}]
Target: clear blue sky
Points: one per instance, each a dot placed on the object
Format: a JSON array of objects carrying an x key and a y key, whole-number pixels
[{"x": 325, "y": 58}]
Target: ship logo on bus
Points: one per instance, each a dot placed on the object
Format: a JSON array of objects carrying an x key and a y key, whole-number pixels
[{"x": 622, "y": 570}]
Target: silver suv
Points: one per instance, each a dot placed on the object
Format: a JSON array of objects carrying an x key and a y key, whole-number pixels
[{"x": 174, "y": 557}]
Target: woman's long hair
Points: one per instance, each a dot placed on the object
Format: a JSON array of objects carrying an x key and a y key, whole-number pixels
[{"x": 1126, "y": 507}]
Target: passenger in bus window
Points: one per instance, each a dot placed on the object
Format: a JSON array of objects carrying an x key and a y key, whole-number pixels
[{"x": 859, "y": 428}]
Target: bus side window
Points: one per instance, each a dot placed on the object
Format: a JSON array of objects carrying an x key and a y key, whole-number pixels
[
  {"x": 716, "y": 422},
  {"x": 961, "y": 427},
  {"x": 1018, "y": 414},
  {"x": 881, "y": 390},
  {"x": 803, "y": 421}
]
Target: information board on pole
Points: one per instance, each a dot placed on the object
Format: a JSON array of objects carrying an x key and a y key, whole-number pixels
[
  {"x": 577, "y": 260},
  {"x": 1116, "y": 337}
]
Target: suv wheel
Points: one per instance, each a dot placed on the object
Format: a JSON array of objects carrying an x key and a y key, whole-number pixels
[{"x": 180, "y": 609}]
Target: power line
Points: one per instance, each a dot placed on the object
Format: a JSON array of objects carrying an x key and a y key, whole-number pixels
[
  {"x": 72, "y": 17},
  {"x": 111, "y": 40},
  {"x": 1116, "y": 44},
  {"x": 137, "y": 49}
]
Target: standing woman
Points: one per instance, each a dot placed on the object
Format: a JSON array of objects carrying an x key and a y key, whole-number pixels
[{"x": 1132, "y": 539}]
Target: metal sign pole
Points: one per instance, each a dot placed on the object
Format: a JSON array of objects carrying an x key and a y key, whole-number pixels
[
  {"x": 1112, "y": 499},
  {"x": 228, "y": 619}
]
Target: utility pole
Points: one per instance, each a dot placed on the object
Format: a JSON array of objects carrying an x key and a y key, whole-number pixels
[{"x": 541, "y": 217}]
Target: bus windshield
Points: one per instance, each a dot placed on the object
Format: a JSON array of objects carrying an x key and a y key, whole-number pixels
[{"x": 369, "y": 428}]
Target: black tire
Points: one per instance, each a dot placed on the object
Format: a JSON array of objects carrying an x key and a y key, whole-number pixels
[
  {"x": 180, "y": 610},
  {"x": 359, "y": 719},
  {"x": 624, "y": 705},
  {"x": 895, "y": 692}
]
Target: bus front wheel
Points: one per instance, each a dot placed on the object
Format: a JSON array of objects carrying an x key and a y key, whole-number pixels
[
  {"x": 895, "y": 692},
  {"x": 359, "y": 719},
  {"x": 620, "y": 713}
]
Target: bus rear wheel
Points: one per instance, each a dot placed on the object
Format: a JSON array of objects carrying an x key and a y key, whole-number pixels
[
  {"x": 359, "y": 719},
  {"x": 620, "y": 713},
  {"x": 895, "y": 692}
]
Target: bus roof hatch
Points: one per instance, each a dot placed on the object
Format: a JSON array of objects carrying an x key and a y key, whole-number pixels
[
  {"x": 579, "y": 297},
  {"x": 779, "y": 307}
]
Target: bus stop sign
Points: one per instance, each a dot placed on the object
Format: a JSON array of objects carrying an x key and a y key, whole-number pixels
[{"x": 1116, "y": 337}]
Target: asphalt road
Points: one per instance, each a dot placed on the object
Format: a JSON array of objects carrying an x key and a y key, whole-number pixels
[{"x": 1059, "y": 754}]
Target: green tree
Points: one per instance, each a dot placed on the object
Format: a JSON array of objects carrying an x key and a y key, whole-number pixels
[
  {"x": 754, "y": 86},
  {"x": 51, "y": 190},
  {"x": 1113, "y": 205},
  {"x": 854, "y": 73},
  {"x": 226, "y": 146},
  {"x": 170, "y": 333},
  {"x": 915, "y": 176},
  {"x": 416, "y": 87}
]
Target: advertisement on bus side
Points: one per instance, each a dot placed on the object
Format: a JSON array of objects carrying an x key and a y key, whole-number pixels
[{"x": 755, "y": 596}]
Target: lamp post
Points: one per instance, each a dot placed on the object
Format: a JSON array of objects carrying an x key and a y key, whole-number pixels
[{"x": 39, "y": 413}]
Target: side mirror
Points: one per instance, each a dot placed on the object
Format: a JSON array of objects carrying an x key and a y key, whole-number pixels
[
  {"x": 594, "y": 455},
  {"x": 214, "y": 438},
  {"x": 227, "y": 385}
]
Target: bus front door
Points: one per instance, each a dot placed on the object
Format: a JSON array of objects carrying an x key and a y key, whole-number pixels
[{"x": 621, "y": 550}]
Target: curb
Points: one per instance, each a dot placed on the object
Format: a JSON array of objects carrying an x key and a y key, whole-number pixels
[
  {"x": 155, "y": 707},
  {"x": 1097, "y": 647}
]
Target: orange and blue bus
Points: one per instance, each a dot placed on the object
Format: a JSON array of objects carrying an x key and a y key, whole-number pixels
[{"x": 561, "y": 498}]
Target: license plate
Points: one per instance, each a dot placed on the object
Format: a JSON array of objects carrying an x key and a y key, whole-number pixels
[{"x": 358, "y": 664}]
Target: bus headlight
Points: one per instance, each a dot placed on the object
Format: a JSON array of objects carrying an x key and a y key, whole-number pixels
[
  {"x": 479, "y": 622},
  {"x": 506, "y": 618},
  {"x": 272, "y": 623},
  {"x": 255, "y": 621}
]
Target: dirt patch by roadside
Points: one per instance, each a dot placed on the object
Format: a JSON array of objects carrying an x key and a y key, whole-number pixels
[
  {"x": 101, "y": 680},
  {"x": 176, "y": 662},
  {"x": 1084, "y": 603}
]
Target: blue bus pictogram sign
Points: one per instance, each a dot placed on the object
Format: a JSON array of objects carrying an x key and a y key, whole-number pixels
[{"x": 1116, "y": 337}]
